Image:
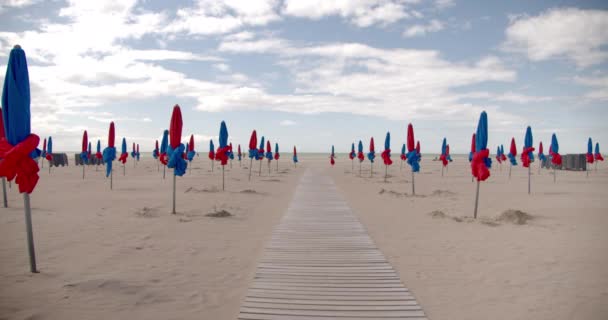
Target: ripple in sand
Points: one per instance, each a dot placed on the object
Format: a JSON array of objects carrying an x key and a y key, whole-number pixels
[
  {"x": 273, "y": 180},
  {"x": 219, "y": 214},
  {"x": 515, "y": 217},
  {"x": 442, "y": 193},
  {"x": 147, "y": 212},
  {"x": 399, "y": 194},
  {"x": 510, "y": 216},
  {"x": 205, "y": 190}
]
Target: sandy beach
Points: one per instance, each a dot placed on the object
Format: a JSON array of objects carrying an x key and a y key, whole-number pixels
[{"x": 120, "y": 254}]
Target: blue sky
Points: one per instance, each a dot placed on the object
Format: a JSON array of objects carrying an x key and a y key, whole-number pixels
[{"x": 315, "y": 73}]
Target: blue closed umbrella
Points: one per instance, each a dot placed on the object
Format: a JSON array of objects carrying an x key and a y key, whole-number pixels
[
  {"x": 481, "y": 161},
  {"x": 17, "y": 155},
  {"x": 164, "y": 142},
  {"x": 554, "y": 144}
]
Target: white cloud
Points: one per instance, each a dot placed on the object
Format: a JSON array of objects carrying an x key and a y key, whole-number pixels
[
  {"x": 599, "y": 85},
  {"x": 210, "y": 17},
  {"x": 443, "y": 4},
  {"x": 287, "y": 123},
  {"x": 575, "y": 34},
  {"x": 362, "y": 13},
  {"x": 222, "y": 67},
  {"x": 422, "y": 29},
  {"x": 6, "y": 4}
]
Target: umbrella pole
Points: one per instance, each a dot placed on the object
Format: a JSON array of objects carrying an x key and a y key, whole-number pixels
[
  {"x": 413, "y": 184},
  {"x": 83, "y": 171},
  {"x": 510, "y": 166},
  {"x": 164, "y": 169},
  {"x": 540, "y": 164},
  {"x": 476, "y": 201},
  {"x": 30, "y": 233},
  {"x": 230, "y": 163},
  {"x": 260, "y": 167},
  {"x": 277, "y": 165},
  {"x": 124, "y": 169},
  {"x": 268, "y": 167},
  {"x": 554, "y": 174},
  {"x": 385, "y": 172},
  {"x": 371, "y": 170},
  {"x": 111, "y": 179},
  {"x": 359, "y": 168},
  {"x": 587, "y": 172},
  {"x": 212, "y": 165},
  {"x": 596, "y": 166},
  {"x": 250, "y": 164},
  {"x": 223, "y": 181},
  {"x": 352, "y": 165},
  {"x": 442, "y": 170},
  {"x": 174, "y": 182},
  {"x": 529, "y": 169},
  {"x": 4, "y": 192}
]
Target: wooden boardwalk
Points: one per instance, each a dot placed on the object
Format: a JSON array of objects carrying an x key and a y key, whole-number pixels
[{"x": 321, "y": 264}]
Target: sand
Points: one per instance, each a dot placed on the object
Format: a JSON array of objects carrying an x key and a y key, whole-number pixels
[
  {"x": 122, "y": 255},
  {"x": 547, "y": 261}
]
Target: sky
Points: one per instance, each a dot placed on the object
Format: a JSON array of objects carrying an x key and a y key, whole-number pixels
[{"x": 314, "y": 73}]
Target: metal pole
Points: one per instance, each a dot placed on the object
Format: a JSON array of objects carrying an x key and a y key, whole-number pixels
[
  {"x": 83, "y": 171},
  {"x": 4, "y": 192},
  {"x": 442, "y": 166},
  {"x": 554, "y": 174},
  {"x": 359, "y": 168},
  {"x": 30, "y": 233},
  {"x": 529, "y": 169},
  {"x": 223, "y": 182},
  {"x": 413, "y": 184},
  {"x": 260, "y": 167},
  {"x": 476, "y": 201},
  {"x": 385, "y": 172},
  {"x": 111, "y": 179},
  {"x": 510, "y": 166},
  {"x": 164, "y": 169},
  {"x": 371, "y": 170},
  {"x": 352, "y": 165},
  {"x": 124, "y": 169},
  {"x": 250, "y": 165},
  {"x": 174, "y": 181}
]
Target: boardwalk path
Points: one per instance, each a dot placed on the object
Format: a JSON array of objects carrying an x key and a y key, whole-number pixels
[{"x": 321, "y": 264}]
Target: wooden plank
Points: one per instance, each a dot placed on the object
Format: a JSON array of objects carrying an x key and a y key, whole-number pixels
[{"x": 321, "y": 264}]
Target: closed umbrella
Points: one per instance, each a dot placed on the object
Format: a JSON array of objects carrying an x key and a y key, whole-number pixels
[
  {"x": 443, "y": 157},
  {"x": 295, "y": 157},
  {"x": 230, "y": 154},
  {"x": 84, "y": 155},
  {"x": 386, "y": 154},
  {"x": 223, "y": 149},
  {"x": 541, "y": 156},
  {"x": 597, "y": 155},
  {"x": 19, "y": 144},
  {"x": 3, "y": 137},
  {"x": 556, "y": 158},
  {"x": 164, "y": 157},
  {"x": 211, "y": 153},
  {"x": 156, "y": 155},
  {"x": 98, "y": 154},
  {"x": 481, "y": 162},
  {"x": 49, "y": 152},
  {"x": 109, "y": 154},
  {"x": 352, "y": 155},
  {"x": 371, "y": 155},
  {"x": 239, "y": 154},
  {"x": 268, "y": 154},
  {"x": 332, "y": 155},
  {"x": 261, "y": 154},
  {"x": 191, "y": 153},
  {"x": 276, "y": 154},
  {"x": 175, "y": 149},
  {"x": 527, "y": 155},
  {"x": 402, "y": 156},
  {"x": 124, "y": 155},
  {"x": 589, "y": 154},
  {"x": 472, "y": 152},
  {"x": 43, "y": 153},
  {"x": 413, "y": 155},
  {"x": 253, "y": 150},
  {"x": 360, "y": 155},
  {"x": 512, "y": 156}
]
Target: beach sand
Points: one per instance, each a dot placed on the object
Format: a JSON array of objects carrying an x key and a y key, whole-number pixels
[{"x": 121, "y": 255}]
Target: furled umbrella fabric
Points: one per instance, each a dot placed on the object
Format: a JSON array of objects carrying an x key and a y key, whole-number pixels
[
  {"x": 590, "y": 151},
  {"x": 253, "y": 146},
  {"x": 19, "y": 143},
  {"x": 472, "y": 148},
  {"x": 261, "y": 150},
  {"x": 541, "y": 155},
  {"x": 185, "y": 155},
  {"x": 527, "y": 155},
  {"x": 556, "y": 158},
  {"x": 295, "y": 155},
  {"x": 109, "y": 153},
  {"x": 133, "y": 152},
  {"x": 98, "y": 153},
  {"x": 598, "y": 155},
  {"x": 49, "y": 149},
  {"x": 443, "y": 157},
  {"x": 176, "y": 149},
  {"x": 239, "y": 154},
  {"x": 84, "y": 154},
  {"x": 386, "y": 154},
  {"x": 191, "y": 152},
  {"x": 513, "y": 153},
  {"x": 276, "y": 152},
  {"x": 137, "y": 154},
  {"x": 413, "y": 155},
  {"x": 371, "y": 155},
  {"x": 230, "y": 152},
  {"x": 498, "y": 157},
  {"x": 503, "y": 157},
  {"x": 89, "y": 151},
  {"x": 268, "y": 151},
  {"x": 481, "y": 162},
  {"x": 124, "y": 155},
  {"x": 447, "y": 153},
  {"x": 402, "y": 155},
  {"x": 352, "y": 155},
  {"x": 360, "y": 154},
  {"x": 43, "y": 153},
  {"x": 211, "y": 150},
  {"x": 223, "y": 148},
  {"x": 156, "y": 151},
  {"x": 164, "y": 145},
  {"x": 418, "y": 151},
  {"x": 332, "y": 155}
]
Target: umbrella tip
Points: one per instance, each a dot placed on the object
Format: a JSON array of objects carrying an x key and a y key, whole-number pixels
[{"x": 17, "y": 46}]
